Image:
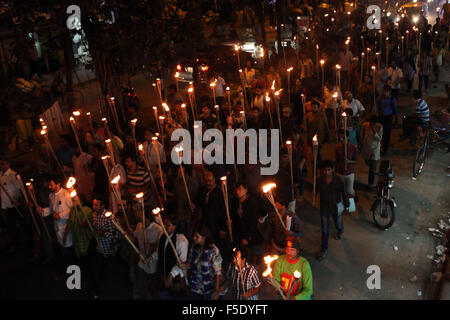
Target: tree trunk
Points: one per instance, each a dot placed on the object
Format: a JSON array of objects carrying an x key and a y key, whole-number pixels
[
  {"x": 68, "y": 67},
  {"x": 278, "y": 18}
]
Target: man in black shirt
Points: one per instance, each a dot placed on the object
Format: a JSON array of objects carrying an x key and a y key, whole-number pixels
[
  {"x": 244, "y": 211},
  {"x": 213, "y": 214},
  {"x": 332, "y": 191}
]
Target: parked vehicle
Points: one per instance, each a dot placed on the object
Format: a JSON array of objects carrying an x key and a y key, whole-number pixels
[
  {"x": 426, "y": 137},
  {"x": 383, "y": 208}
]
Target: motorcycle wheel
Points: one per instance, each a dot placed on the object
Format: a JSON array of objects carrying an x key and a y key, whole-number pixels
[{"x": 383, "y": 217}]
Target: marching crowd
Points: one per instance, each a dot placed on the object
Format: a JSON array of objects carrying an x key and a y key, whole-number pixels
[{"x": 206, "y": 237}]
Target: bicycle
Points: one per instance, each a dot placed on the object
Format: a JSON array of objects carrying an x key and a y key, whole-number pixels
[{"x": 426, "y": 137}]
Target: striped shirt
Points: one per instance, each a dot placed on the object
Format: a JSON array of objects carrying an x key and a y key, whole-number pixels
[
  {"x": 139, "y": 179},
  {"x": 422, "y": 111},
  {"x": 250, "y": 278}
]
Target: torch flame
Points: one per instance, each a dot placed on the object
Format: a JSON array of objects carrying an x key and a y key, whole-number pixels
[
  {"x": 224, "y": 178},
  {"x": 297, "y": 274},
  {"x": 76, "y": 113},
  {"x": 134, "y": 121},
  {"x": 154, "y": 138},
  {"x": 290, "y": 69},
  {"x": 190, "y": 90},
  {"x": 115, "y": 180},
  {"x": 288, "y": 142},
  {"x": 277, "y": 93},
  {"x": 108, "y": 214},
  {"x": 268, "y": 187},
  {"x": 71, "y": 182},
  {"x": 315, "y": 138},
  {"x": 73, "y": 194},
  {"x": 139, "y": 195},
  {"x": 322, "y": 62},
  {"x": 273, "y": 85},
  {"x": 43, "y": 132},
  {"x": 344, "y": 114},
  {"x": 156, "y": 211},
  {"x": 166, "y": 107},
  {"x": 335, "y": 95},
  {"x": 268, "y": 260},
  {"x": 183, "y": 105},
  {"x": 108, "y": 141},
  {"x": 338, "y": 67},
  {"x": 267, "y": 97},
  {"x": 71, "y": 118},
  {"x": 105, "y": 157},
  {"x": 140, "y": 147}
]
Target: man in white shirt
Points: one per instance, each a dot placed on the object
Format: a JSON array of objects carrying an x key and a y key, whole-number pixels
[
  {"x": 219, "y": 88},
  {"x": 346, "y": 57},
  {"x": 249, "y": 74},
  {"x": 354, "y": 104},
  {"x": 306, "y": 67},
  {"x": 60, "y": 204},
  {"x": 10, "y": 186},
  {"x": 395, "y": 75},
  {"x": 117, "y": 170},
  {"x": 152, "y": 155},
  {"x": 168, "y": 268},
  {"x": 146, "y": 271}
]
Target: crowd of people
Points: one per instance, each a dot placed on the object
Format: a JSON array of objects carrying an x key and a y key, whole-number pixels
[{"x": 198, "y": 251}]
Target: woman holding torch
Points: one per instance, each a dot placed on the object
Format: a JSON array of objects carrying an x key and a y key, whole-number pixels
[{"x": 205, "y": 266}]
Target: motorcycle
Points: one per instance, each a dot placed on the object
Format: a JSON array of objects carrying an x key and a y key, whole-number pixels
[{"x": 383, "y": 208}]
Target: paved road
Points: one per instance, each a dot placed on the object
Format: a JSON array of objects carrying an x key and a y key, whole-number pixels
[{"x": 342, "y": 275}]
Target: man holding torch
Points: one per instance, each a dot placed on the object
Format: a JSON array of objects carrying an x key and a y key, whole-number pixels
[
  {"x": 244, "y": 277},
  {"x": 168, "y": 265},
  {"x": 60, "y": 204},
  {"x": 293, "y": 273},
  {"x": 9, "y": 195},
  {"x": 108, "y": 239},
  {"x": 277, "y": 232},
  {"x": 151, "y": 152}
]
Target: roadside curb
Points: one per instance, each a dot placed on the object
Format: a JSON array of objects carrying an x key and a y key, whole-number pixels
[{"x": 443, "y": 287}]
